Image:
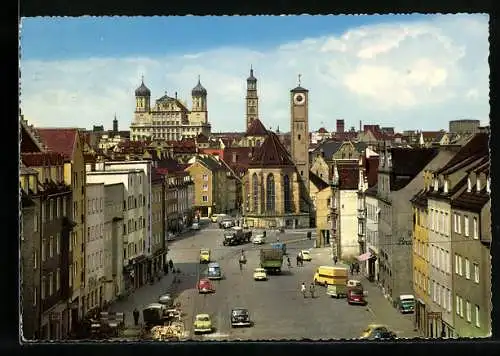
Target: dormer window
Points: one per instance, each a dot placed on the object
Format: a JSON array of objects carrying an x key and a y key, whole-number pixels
[
  {"x": 478, "y": 184},
  {"x": 445, "y": 189},
  {"x": 488, "y": 188},
  {"x": 469, "y": 185},
  {"x": 436, "y": 184}
]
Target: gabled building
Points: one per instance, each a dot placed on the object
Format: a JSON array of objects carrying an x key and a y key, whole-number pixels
[
  {"x": 68, "y": 143},
  {"x": 46, "y": 273},
  {"x": 255, "y": 134}
]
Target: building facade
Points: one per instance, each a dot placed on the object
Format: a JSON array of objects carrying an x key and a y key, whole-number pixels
[
  {"x": 169, "y": 118},
  {"x": 134, "y": 221},
  {"x": 471, "y": 258},
  {"x": 46, "y": 257},
  {"x": 95, "y": 252},
  {"x": 68, "y": 143},
  {"x": 158, "y": 226},
  {"x": 113, "y": 240}
]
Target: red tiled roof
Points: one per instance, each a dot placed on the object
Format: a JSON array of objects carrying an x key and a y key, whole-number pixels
[
  {"x": 242, "y": 157},
  {"x": 201, "y": 138},
  {"x": 256, "y": 128},
  {"x": 271, "y": 153},
  {"x": 431, "y": 135},
  {"x": 59, "y": 140},
  {"x": 42, "y": 159}
]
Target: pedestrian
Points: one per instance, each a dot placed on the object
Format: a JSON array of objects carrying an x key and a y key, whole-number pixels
[
  {"x": 165, "y": 268},
  {"x": 357, "y": 268},
  {"x": 311, "y": 289},
  {"x": 335, "y": 259},
  {"x": 288, "y": 261},
  {"x": 136, "y": 316},
  {"x": 297, "y": 259},
  {"x": 171, "y": 264},
  {"x": 351, "y": 268}
]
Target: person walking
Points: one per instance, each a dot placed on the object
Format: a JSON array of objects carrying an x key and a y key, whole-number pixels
[
  {"x": 170, "y": 264},
  {"x": 311, "y": 289},
  {"x": 136, "y": 316},
  {"x": 335, "y": 259},
  {"x": 288, "y": 262},
  {"x": 351, "y": 268},
  {"x": 297, "y": 260},
  {"x": 165, "y": 268},
  {"x": 357, "y": 268},
  {"x": 303, "y": 290}
]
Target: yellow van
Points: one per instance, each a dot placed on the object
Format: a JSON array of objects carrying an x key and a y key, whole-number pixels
[{"x": 326, "y": 275}]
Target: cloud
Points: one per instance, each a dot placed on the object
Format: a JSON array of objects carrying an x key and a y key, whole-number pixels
[{"x": 411, "y": 75}]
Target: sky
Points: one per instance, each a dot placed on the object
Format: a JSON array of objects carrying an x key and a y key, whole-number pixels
[{"x": 407, "y": 71}]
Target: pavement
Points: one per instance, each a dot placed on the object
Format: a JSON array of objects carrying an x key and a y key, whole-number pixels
[{"x": 276, "y": 306}]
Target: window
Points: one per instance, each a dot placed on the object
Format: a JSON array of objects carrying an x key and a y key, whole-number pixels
[
  {"x": 58, "y": 207},
  {"x": 35, "y": 259},
  {"x": 444, "y": 297},
  {"x": 459, "y": 225},
  {"x": 35, "y": 296},
  {"x": 466, "y": 225},
  {"x": 58, "y": 279},
  {"x": 42, "y": 292},
  {"x": 428, "y": 286},
  {"x": 476, "y": 273},
  {"x": 438, "y": 294},
  {"x": 475, "y": 232},
  {"x": 58, "y": 243},
  {"x": 205, "y": 198},
  {"x": 205, "y": 177},
  {"x": 455, "y": 223},
  {"x": 460, "y": 267},
  {"x": 476, "y": 313},
  {"x": 270, "y": 194},
  {"x": 457, "y": 306},
  {"x": 51, "y": 283},
  {"x": 43, "y": 249},
  {"x": 432, "y": 219},
  {"x": 449, "y": 300},
  {"x": 456, "y": 263},
  {"x": 51, "y": 209},
  {"x": 446, "y": 224},
  {"x": 70, "y": 274},
  {"x": 434, "y": 291},
  {"x": 467, "y": 268},
  {"x": 205, "y": 187},
  {"x": 287, "y": 194},
  {"x": 468, "y": 311},
  {"x": 461, "y": 307}
]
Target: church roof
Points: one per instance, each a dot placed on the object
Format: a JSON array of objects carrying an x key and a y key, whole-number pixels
[
  {"x": 256, "y": 128},
  {"x": 299, "y": 89},
  {"x": 199, "y": 90},
  {"x": 142, "y": 90},
  {"x": 271, "y": 153}
]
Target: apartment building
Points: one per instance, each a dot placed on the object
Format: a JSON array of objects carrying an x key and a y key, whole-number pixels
[
  {"x": 46, "y": 276},
  {"x": 95, "y": 252},
  {"x": 134, "y": 220},
  {"x": 69, "y": 143},
  {"x": 113, "y": 240},
  {"x": 158, "y": 226}
]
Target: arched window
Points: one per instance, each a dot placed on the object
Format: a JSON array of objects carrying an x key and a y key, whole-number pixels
[
  {"x": 255, "y": 192},
  {"x": 270, "y": 194},
  {"x": 288, "y": 193}
]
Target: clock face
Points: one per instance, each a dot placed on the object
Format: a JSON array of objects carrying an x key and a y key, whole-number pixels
[{"x": 299, "y": 99}]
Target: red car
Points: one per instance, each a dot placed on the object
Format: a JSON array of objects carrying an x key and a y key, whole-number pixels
[
  {"x": 205, "y": 286},
  {"x": 356, "y": 296}
]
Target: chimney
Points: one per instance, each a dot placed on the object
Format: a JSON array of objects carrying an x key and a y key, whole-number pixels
[{"x": 340, "y": 125}]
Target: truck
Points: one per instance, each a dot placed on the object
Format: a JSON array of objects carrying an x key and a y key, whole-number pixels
[
  {"x": 271, "y": 259},
  {"x": 280, "y": 246},
  {"x": 236, "y": 236}
]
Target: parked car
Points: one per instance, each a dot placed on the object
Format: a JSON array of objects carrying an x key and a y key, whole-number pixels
[
  {"x": 204, "y": 256},
  {"x": 214, "y": 217},
  {"x": 205, "y": 286},
  {"x": 170, "y": 236},
  {"x": 377, "y": 332},
  {"x": 167, "y": 300},
  {"x": 355, "y": 295},
  {"x": 195, "y": 226},
  {"x": 259, "y": 240},
  {"x": 202, "y": 324},
  {"x": 259, "y": 274},
  {"x": 240, "y": 317},
  {"x": 354, "y": 283},
  {"x": 306, "y": 255},
  {"x": 226, "y": 224}
]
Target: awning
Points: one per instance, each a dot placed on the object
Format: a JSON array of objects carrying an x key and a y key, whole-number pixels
[{"x": 364, "y": 257}]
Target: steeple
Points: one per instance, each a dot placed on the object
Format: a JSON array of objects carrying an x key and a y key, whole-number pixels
[
  {"x": 252, "y": 99},
  {"x": 115, "y": 124}
]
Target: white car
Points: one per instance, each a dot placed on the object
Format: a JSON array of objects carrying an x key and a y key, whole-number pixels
[
  {"x": 170, "y": 237},
  {"x": 259, "y": 239},
  {"x": 306, "y": 256},
  {"x": 195, "y": 226}
]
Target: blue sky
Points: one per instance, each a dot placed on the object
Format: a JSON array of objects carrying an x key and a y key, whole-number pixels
[
  {"x": 63, "y": 38},
  {"x": 406, "y": 71}
]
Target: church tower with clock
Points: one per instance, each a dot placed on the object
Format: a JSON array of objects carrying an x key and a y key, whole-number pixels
[
  {"x": 299, "y": 102},
  {"x": 252, "y": 100}
]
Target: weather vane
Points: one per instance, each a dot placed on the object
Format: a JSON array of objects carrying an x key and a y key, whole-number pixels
[{"x": 300, "y": 75}]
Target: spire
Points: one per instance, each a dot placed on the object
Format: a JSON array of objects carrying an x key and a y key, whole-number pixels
[
  {"x": 199, "y": 79},
  {"x": 300, "y": 75},
  {"x": 142, "y": 78}
]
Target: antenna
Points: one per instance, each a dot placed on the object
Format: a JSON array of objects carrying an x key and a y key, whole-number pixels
[{"x": 300, "y": 75}]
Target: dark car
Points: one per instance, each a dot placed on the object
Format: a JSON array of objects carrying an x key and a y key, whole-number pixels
[
  {"x": 356, "y": 296},
  {"x": 383, "y": 335},
  {"x": 240, "y": 317}
]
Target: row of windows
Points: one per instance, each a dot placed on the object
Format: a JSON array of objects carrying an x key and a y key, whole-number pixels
[
  {"x": 457, "y": 226},
  {"x": 50, "y": 285},
  {"x": 94, "y": 232},
  {"x": 53, "y": 208},
  {"x": 53, "y": 248},
  {"x": 439, "y": 221},
  {"x": 459, "y": 309},
  {"x": 372, "y": 237},
  {"x": 462, "y": 267},
  {"x": 372, "y": 212},
  {"x": 133, "y": 203},
  {"x": 157, "y": 238},
  {"x": 270, "y": 197},
  {"x": 133, "y": 249},
  {"x": 134, "y": 225},
  {"x": 94, "y": 261},
  {"x": 95, "y": 205},
  {"x": 133, "y": 178}
]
